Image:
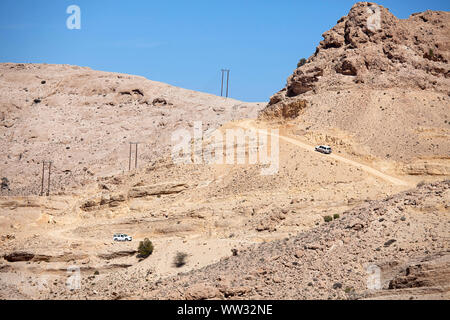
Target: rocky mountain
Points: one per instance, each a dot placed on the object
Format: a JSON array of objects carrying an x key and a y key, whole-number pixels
[
  {"x": 357, "y": 52},
  {"x": 385, "y": 86}
]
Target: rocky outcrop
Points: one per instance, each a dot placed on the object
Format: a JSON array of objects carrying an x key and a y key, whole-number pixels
[
  {"x": 106, "y": 200},
  {"x": 202, "y": 291},
  {"x": 433, "y": 273},
  {"x": 285, "y": 110},
  {"x": 18, "y": 256},
  {"x": 371, "y": 47},
  {"x": 303, "y": 81},
  {"x": 118, "y": 254},
  {"x": 272, "y": 220},
  {"x": 159, "y": 102},
  {"x": 157, "y": 189},
  {"x": 115, "y": 200},
  {"x": 426, "y": 169}
]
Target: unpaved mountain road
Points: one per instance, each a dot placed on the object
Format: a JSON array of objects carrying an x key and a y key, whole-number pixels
[{"x": 249, "y": 124}]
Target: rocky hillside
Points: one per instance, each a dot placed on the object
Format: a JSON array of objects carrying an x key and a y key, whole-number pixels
[
  {"x": 412, "y": 53},
  {"x": 386, "y": 85},
  {"x": 83, "y": 121},
  {"x": 403, "y": 238}
]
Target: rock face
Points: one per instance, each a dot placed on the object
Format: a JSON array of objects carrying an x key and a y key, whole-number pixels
[
  {"x": 430, "y": 169},
  {"x": 371, "y": 47},
  {"x": 286, "y": 110},
  {"x": 107, "y": 200},
  {"x": 157, "y": 189},
  {"x": 118, "y": 254},
  {"x": 432, "y": 273},
  {"x": 18, "y": 256}
]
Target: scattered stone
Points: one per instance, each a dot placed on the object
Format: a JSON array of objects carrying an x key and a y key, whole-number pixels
[{"x": 388, "y": 243}]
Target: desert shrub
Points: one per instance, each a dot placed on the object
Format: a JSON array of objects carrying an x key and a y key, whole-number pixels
[
  {"x": 301, "y": 63},
  {"x": 145, "y": 248},
  {"x": 180, "y": 259},
  {"x": 96, "y": 273},
  {"x": 336, "y": 216},
  {"x": 328, "y": 218},
  {"x": 5, "y": 183},
  {"x": 421, "y": 184},
  {"x": 349, "y": 290}
]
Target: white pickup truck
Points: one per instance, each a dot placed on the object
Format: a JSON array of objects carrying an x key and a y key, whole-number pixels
[
  {"x": 324, "y": 149},
  {"x": 121, "y": 237}
]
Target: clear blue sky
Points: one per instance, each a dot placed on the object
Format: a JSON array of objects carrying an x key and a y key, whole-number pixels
[{"x": 184, "y": 43}]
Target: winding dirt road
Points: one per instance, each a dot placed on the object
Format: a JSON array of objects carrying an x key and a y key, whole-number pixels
[{"x": 248, "y": 124}]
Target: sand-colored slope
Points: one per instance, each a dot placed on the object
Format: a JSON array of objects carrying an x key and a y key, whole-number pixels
[
  {"x": 249, "y": 124},
  {"x": 83, "y": 120}
]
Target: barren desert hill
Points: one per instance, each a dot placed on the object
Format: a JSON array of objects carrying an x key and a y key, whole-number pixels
[
  {"x": 385, "y": 85},
  {"x": 312, "y": 230},
  {"x": 83, "y": 121}
]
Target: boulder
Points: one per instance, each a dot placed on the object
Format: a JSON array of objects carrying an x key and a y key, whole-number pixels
[{"x": 202, "y": 291}]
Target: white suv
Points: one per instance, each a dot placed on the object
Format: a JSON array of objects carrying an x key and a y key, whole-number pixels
[
  {"x": 324, "y": 149},
  {"x": 121, "y": 237}
]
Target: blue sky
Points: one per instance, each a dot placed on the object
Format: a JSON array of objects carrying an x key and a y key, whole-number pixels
[{"x": 183, "y": 43}]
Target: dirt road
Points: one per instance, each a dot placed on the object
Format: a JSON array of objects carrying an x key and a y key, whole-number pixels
[{"x": 248, "y": 124}]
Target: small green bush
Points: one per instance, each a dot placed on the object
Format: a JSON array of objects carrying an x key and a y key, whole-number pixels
[
  {"x": 301, "y": 63},
  {"x": 145, "y": 248},
  {"x": 180, "y": 259},
  {"x": 336, "y": 216},
  {"x": 5, "y": 184},
  {"x": 328, "y": 218},
  {"x": 349, "y": 290}
]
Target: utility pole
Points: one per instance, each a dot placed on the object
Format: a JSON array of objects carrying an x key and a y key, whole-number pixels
[
  {"x": 221, "y": 87},
  {"x": 228, "y": 78},
  {"x": 49, "y": 173},
  {"x": 129, "y": 159},
  {"x": 43, "y": 172},
  {"x": 135, "y": 157},
  {"x": 43, "y": 177}
]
